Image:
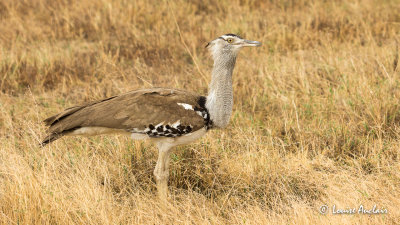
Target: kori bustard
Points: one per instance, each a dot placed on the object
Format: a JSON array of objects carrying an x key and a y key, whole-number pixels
[{"x": 167, "y": 116}]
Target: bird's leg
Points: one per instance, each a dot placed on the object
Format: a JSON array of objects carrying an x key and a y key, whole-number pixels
[{"x": 161, "y": 172}]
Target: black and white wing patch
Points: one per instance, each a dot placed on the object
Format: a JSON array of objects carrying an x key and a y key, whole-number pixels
[{"x": 177, "y": 129}]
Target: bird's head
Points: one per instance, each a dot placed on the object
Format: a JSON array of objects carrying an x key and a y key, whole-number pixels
[{"x": 229, "y": 44}]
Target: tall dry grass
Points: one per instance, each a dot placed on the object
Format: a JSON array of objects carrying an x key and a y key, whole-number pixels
[{"x": 316, "y": 115}]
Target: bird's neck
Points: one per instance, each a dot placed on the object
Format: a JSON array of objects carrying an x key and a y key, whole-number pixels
[{"x": 220, "y": 96}]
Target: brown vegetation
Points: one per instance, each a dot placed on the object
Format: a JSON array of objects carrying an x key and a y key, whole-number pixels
[{"x": 316, "y": 115}]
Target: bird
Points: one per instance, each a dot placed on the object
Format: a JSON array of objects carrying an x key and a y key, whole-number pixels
[{"x": 169, "y": 117}]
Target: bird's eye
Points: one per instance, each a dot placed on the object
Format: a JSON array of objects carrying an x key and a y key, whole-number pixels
[{"x": 229, "y": 40}]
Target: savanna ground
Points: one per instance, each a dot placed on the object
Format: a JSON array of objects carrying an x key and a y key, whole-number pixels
[{"x": 316, "y": 117}]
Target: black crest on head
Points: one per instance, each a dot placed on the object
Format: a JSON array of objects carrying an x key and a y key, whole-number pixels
[{"x": 233, "y": 35}]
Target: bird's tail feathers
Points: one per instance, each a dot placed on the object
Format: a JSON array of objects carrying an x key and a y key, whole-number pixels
[{"x": 50, "y": 138}]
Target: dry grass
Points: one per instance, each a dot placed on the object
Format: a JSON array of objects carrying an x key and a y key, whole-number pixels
[{"x": 316, "y": 115}]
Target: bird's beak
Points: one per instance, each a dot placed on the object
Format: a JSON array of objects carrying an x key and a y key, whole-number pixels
[{"x": 248, "y": 43}]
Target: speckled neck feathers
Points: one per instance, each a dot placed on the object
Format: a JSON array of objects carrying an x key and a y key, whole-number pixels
[{"x": 220, "y": 96}]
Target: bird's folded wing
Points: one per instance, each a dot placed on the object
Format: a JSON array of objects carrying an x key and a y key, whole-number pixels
[{"x": 133, "y": 110}]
